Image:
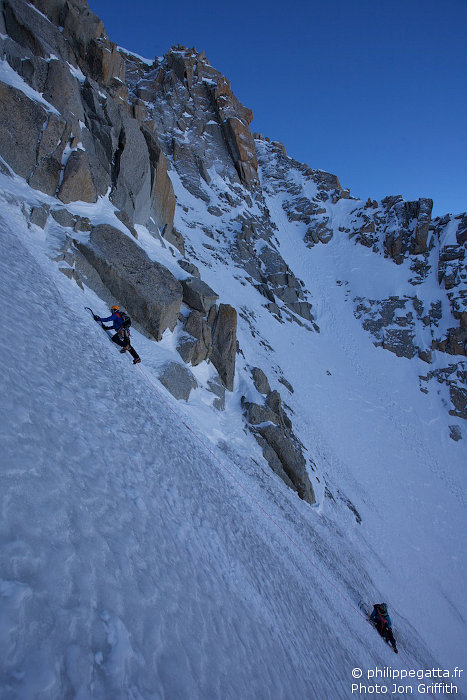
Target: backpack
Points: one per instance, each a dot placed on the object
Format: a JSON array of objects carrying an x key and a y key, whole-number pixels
[{"x": 126, "y": 320}]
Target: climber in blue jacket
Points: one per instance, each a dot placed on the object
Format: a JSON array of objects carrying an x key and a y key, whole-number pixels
[
  {"x": 381, "y": 620},
  {"x": 121, "y": 325},
  {"x": 116, "y": 318}
]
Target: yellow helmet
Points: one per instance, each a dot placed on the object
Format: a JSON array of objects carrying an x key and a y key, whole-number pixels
[{"x": 115, "y": 308}]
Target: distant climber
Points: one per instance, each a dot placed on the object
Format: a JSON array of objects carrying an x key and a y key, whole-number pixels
[
  {"x": 121, "y": 323},
  {"x": 381, "y": 620}
]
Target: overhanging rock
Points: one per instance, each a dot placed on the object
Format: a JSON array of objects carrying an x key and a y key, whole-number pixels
[{"x": 198, "y": 294}]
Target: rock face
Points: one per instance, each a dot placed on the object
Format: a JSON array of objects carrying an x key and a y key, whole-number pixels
[
  {"x": 260, "y": 381},
  {"x": 273, "y": 430},
  {"x": 291, "y": 458},
  {"x": 459, "y": 399},
  {"x": 191, "y": 92},
  {"x": 132, "y": 190},
  {"x": 83, "y": 108},
  {"x": 178, "y": 380},
  {"x": 77, "y": 180},
  {"x": 198, "y": 294},
  {"x": 235, "y": 120},
  {"x": 31, "y": 141},
  {"x": 149, "y": 292},
  {"x": 271, "y": 276},
  {"x": 224, "y": 343},
  {"x": 162, "y": 192},
  {"x": 195, "y": 347},
  {"x": 403, "y": 237},
  {"x": 39, "y": 216}
]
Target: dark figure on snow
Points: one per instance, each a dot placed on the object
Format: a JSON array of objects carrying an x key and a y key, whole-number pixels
[
  {"x": 381, "y": 620},
  {"x": 120, "y": 324}
]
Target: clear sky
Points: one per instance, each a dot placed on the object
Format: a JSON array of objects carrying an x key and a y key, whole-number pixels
[{"x": 374, "y": 91}]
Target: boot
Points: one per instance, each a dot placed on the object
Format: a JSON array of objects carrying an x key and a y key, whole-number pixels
[{"x": 134, "y": 354}]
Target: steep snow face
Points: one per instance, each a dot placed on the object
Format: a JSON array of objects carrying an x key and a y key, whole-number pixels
[
  {"x": 147, "y": 549},
  {"x": 132, "y": 563}
]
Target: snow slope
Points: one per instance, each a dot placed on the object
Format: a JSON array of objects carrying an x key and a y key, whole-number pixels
[{"x": 146, "y": 549}]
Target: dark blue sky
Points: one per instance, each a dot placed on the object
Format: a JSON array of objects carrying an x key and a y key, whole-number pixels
[{"x": 374, "y": 91}]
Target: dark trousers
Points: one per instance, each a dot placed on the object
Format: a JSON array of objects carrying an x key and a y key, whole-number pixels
[
  {"x": 122, "y": 338},
  {"x": 386, "y": 632}
]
